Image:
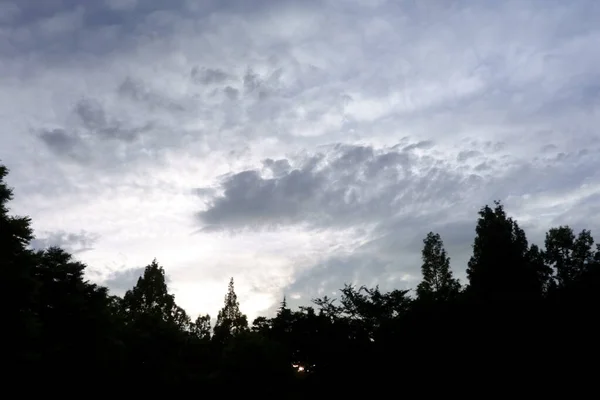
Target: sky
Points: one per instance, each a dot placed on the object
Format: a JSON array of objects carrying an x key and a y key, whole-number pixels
[{"x": 294, "y": 145}]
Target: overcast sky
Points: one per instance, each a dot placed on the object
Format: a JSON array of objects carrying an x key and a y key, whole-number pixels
[{"x": 294, "y": 145}]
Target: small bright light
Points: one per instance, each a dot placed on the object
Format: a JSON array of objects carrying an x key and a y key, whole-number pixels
[{"x": 298, "y": 367}]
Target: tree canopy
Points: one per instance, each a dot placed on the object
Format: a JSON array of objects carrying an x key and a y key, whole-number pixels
[{"x": 525, "y": 320}]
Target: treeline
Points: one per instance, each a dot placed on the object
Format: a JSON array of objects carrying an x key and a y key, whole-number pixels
[{"x": 527, "y": 317}]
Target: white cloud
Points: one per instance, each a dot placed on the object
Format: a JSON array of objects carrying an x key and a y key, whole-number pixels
[{"x": 115, "y": 112}]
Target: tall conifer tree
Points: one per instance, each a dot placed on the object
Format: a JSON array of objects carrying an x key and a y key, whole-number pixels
[{"x": 438, "y": 284}]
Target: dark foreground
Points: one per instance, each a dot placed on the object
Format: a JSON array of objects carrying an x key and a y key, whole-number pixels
[{"x": 525, "y": 323}]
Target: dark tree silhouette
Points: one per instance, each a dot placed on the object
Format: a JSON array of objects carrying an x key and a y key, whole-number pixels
[
  {"x": 150, "y": 297},
  {"x": 75, "y": 318},
  {"x": 230, "y": 320},
  {"x": 438, "y": 284},
  {"x": 201, "y": 327},
  {"x": 156, "y": 328},
  {"x": 568, "y": 255},
  {"x": 527, "y": 319},
  {"x": 544, "y": 273},
  {"x": 499, "y": 268},
  {"x": 18, "y": 285}
]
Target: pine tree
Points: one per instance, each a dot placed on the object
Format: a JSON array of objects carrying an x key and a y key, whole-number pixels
[
  {"x": 283, "y": 305},
  {"x": 230, "y": 320},
  {"x": 282, "y": 323},
  {"x": 438, "y": 284}
]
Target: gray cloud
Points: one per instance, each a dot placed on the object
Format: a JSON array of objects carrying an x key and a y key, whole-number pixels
[
  {"x": 107, "y": 26},
  {"x": 330, "y": 275},
  {"x": 72, "y": 242},
  {"x": 231, "y": 93},
  {"x": 401, "y": 195},
  {"x": 208, "y": 75},
  {"x": 94, "y": 119},
  {"x": 467, "y": 154},
  {"x": 65, "y": 144},
  {"x": 121, "y": 281},
  {"x": 275, "y": 88},
  {"x": 343, "y": 186},
  {"x": 140, "y": 92},
  {"x": 390, "y": 258}
]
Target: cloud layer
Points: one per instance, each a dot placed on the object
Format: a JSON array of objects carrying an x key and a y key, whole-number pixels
[{"x": 294, "y": 145}]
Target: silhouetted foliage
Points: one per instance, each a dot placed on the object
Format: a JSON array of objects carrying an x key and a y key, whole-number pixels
[
  {"x": 569, "y": 256},
  {"x": 499, "y": 253},
  {"x": 18, "y": 285},
  {"x": 438, "y": 284},
  {"x": 230, "y": 320},
  {"x": 201, "y": 327},
  {"x": 527, "y": 312}
]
